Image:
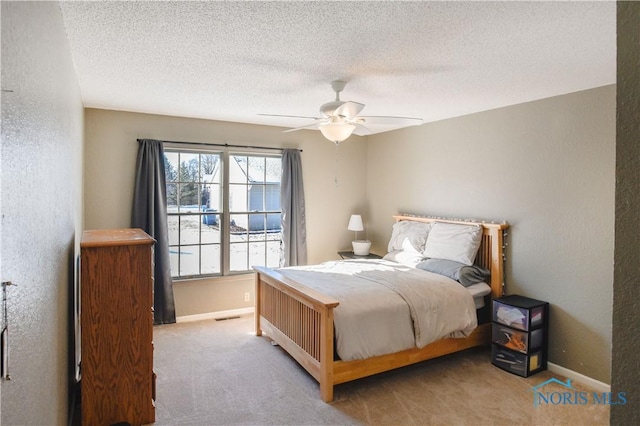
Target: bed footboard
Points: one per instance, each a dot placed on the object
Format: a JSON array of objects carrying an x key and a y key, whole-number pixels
[{"x": 300, "y": 320}]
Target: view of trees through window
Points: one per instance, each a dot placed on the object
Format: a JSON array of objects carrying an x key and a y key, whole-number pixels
[
  {"x": 189, "y": 172},
  {"x": 203, "y": 238}
]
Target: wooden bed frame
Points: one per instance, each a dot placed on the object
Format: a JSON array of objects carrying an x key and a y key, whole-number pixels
[{"x": 300, "y": 319}]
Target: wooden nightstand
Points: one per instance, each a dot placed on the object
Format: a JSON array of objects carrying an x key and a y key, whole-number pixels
[{"x": 350, "y": 255}]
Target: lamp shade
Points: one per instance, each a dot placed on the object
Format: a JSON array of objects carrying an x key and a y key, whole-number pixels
[
  {"x": 336, "y": 132},
  {"x": 355, "y": 223}
]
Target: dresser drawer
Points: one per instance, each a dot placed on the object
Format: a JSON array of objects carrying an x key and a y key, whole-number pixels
[
  {"x": 517, "y": 340},
  {"x": 518, "y": 317},
  {"x": 517, "y": 363}
]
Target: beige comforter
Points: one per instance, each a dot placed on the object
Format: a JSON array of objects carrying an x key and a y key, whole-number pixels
[{"x": 386, "y": 307}]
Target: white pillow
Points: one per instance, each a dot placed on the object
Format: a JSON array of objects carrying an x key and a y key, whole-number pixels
[
  {"x": 408, "y": 236},
  {"x": 451, "y": 241},
  {"x": 408, "y": 258}
]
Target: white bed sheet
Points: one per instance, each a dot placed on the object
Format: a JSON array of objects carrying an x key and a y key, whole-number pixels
[{"x": 478, "y": 292}]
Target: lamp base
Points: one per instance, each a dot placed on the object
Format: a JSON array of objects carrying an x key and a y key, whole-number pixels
[{"x": 361, "y": 247}]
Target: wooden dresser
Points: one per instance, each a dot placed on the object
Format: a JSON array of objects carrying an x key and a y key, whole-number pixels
[{"x": 116, "y": 311}]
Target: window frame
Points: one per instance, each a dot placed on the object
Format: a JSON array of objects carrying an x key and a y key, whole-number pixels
[{"x": 225, "y": 242}]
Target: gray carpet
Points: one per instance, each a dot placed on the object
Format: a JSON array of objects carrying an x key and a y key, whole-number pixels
[{"x": 220, "y": 373}]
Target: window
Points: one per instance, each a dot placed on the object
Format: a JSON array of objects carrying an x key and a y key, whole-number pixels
[{"x": 223, "y": 211}]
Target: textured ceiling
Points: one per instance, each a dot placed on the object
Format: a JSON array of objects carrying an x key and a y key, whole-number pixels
[{"x": 431, "y": 60}]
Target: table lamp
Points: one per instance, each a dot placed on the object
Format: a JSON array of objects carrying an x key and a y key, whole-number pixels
[{"x": 360, "y": 247}]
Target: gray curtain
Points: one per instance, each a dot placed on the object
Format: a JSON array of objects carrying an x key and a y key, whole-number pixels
[
  {"x": 294, "y": 231},
  {"x": 150, "y": 214}
]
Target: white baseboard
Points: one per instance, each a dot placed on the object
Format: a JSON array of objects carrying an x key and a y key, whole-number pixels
[
  {"x": 579, "y": 378},
  {"x": 216, "y": 315}
]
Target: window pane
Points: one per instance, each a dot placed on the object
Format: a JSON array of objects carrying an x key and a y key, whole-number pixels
[
  {"x": 173, "y": 257},
  {"x": 209, "y": 170},
  {"x": 273, "y": 254},
  {"x": 210, "y": 232},
  {"x": 256, "y": 169},
  {"x": 211, "y": 259},
  {"x": 274, "y": 236},
  {"x": 189, "y": 230},
  {"x": 257, "y": 254},
  {"x": 215, "y": 201},
  {"x": 188, "y": 171},
  {"x": 172, "y": 197},
  {"x": 189, "y": 197},
  {"x": 273, "y": 170},
  {"x": 171, "y": 166},
  {"x": 189, "y": 260},
  {"x": 256, "y": 198},
  {"x": 256, "y": 226},
  {"x": 238, "y": 228},
  {"x": 205, "y": 196},
  {"x": 238, "y": 198},
  {"x": 274, "y": 223},
  {"x": 172, "y": 225},
  {"x": 238, "y": 256},
  {"x": 237, "y": 169},
  {"x": 272, "y": 197}
]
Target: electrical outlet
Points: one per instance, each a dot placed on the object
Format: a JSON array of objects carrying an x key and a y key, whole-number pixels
[{"x": 247, "y": 296}]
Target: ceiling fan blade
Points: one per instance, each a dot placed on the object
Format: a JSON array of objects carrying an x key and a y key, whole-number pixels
[
  {"x": 360, "y": 130},
  {"x": 349, "y": 110},
  {"x": 308, "y": 126},
  {"x": 391, "y": 121},
  {"x": 290, "y": 116}
]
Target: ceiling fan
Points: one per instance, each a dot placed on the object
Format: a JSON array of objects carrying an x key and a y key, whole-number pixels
[{"x": 340, "y": 119}]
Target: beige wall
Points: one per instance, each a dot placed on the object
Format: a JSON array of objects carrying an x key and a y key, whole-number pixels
[
  {"x": 41, "y": 177},
  {"x": 546, "y": 167},
  {"x": 110, "y": 156}
]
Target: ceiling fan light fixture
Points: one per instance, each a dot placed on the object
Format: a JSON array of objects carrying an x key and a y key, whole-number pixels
[
  {"x": 336, "y": 132},
  {"x": 339, "y": 119}
]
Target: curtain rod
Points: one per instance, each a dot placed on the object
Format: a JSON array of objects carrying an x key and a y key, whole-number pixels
[{"x": 226, "y": 145}]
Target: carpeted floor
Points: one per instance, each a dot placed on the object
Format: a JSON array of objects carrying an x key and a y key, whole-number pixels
[{"x": 220, "y": 373}]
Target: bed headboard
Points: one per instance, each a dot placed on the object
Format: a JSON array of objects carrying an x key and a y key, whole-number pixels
[{"x": 491, "y": 252}]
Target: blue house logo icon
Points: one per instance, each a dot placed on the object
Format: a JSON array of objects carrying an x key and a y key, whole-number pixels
[{"x": 552, "y": 397}]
